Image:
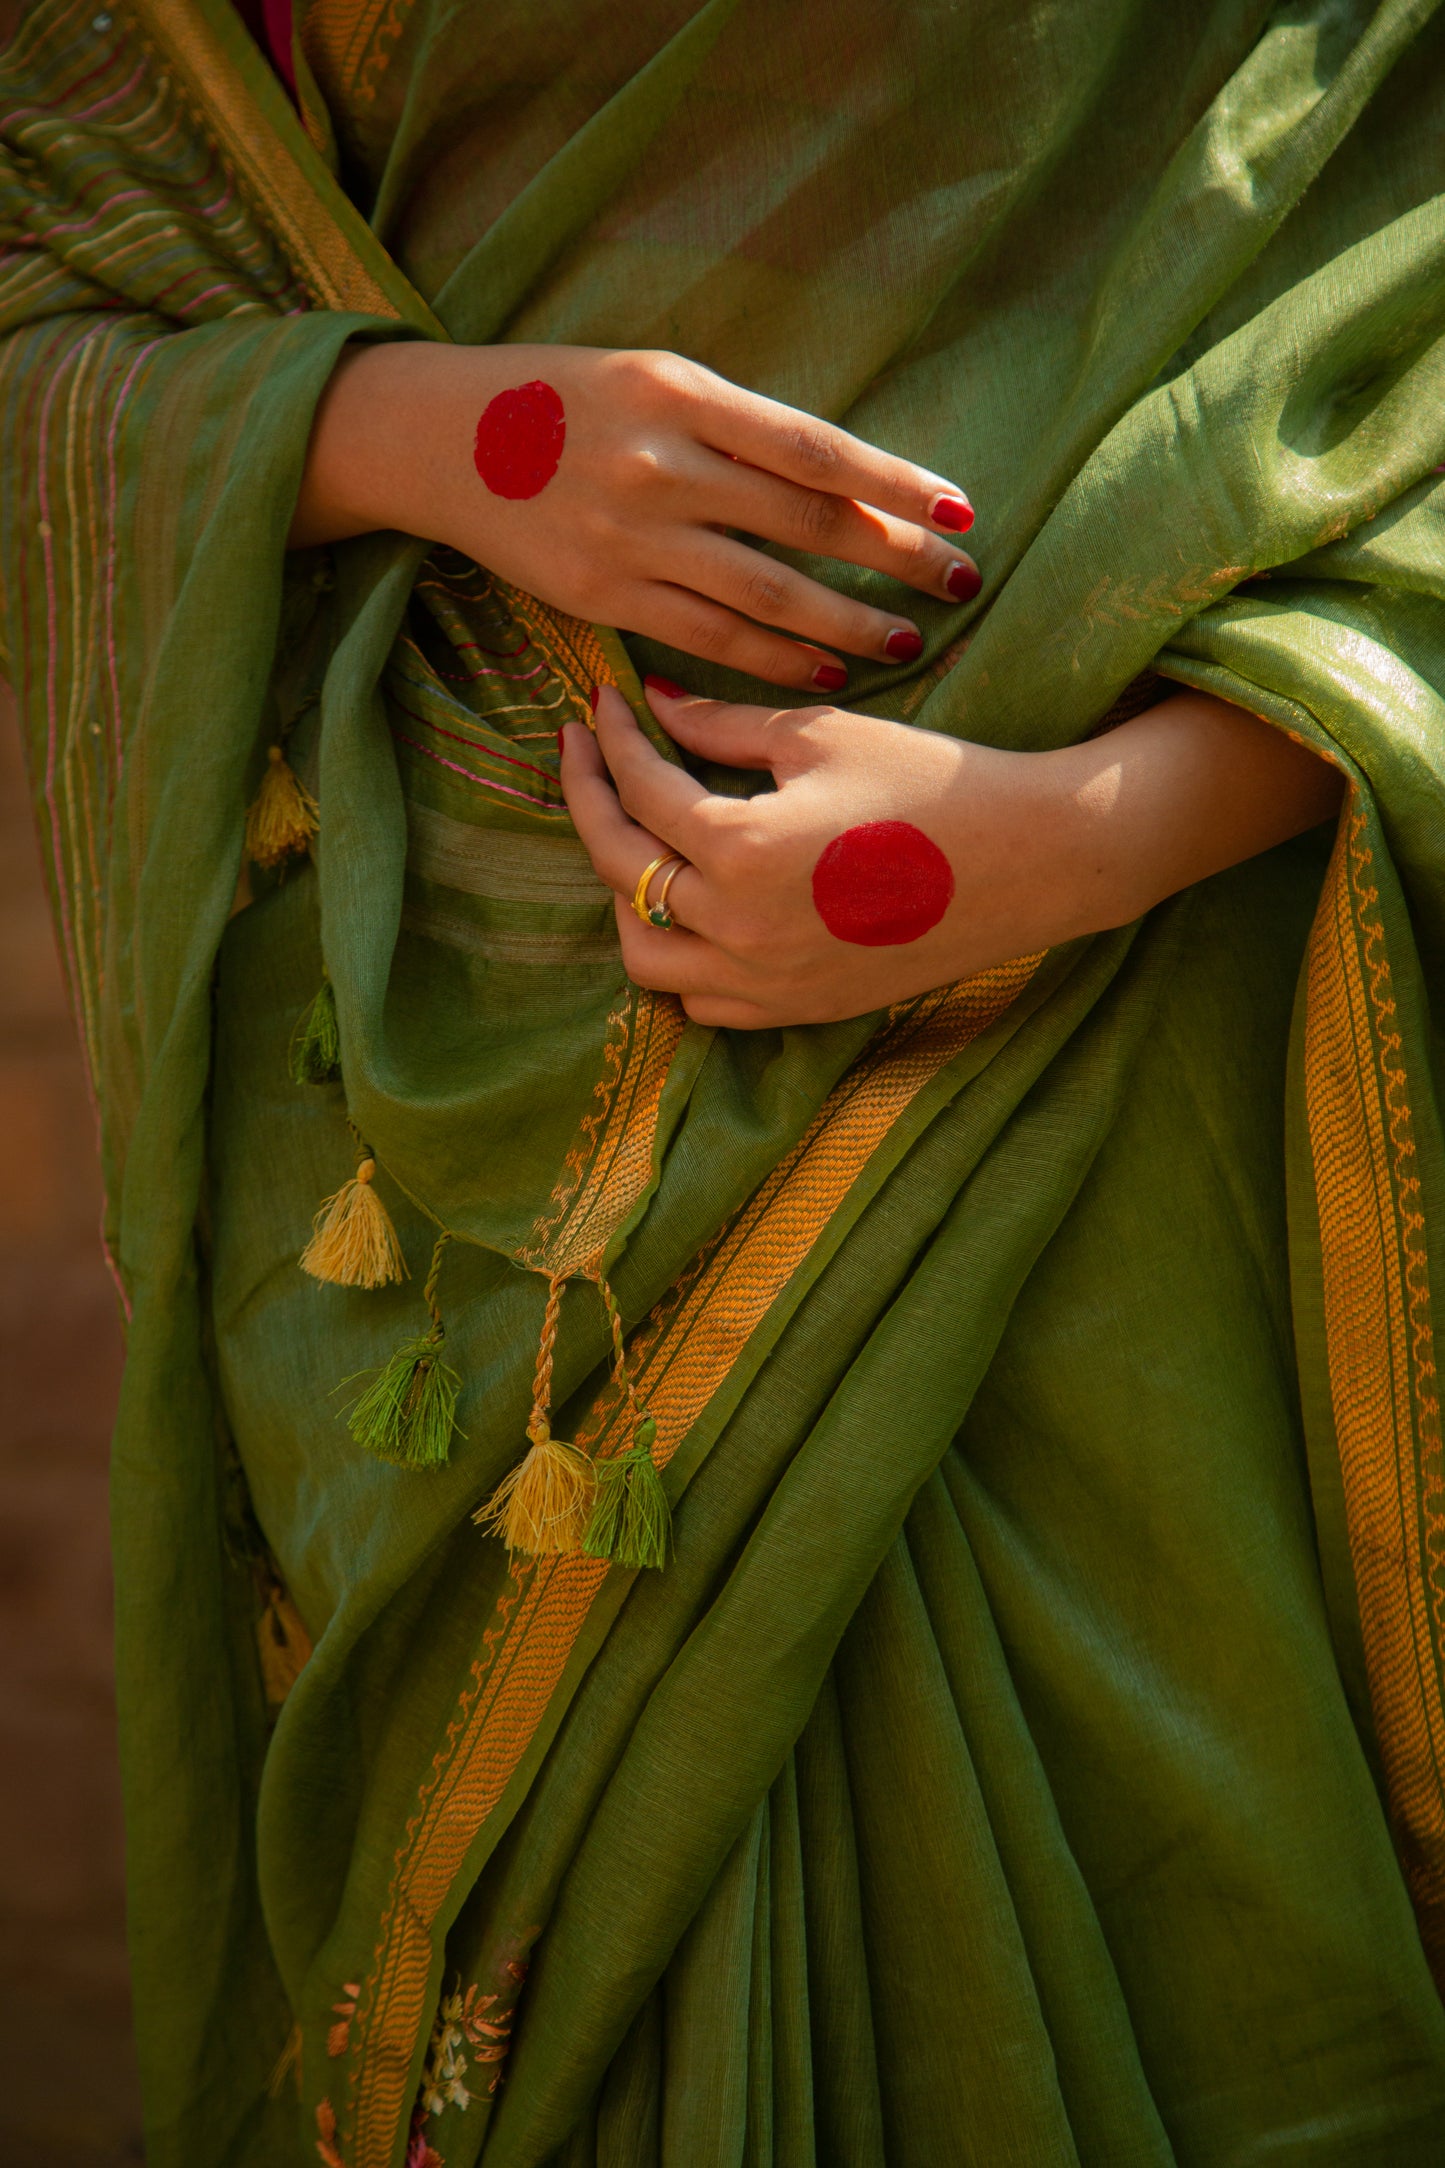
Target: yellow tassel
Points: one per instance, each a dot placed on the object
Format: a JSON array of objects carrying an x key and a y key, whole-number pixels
[
  {"x": 543, "y": 1505},
  {"x": 283, "y": 816},
  {"x": 353, "y": 1243}
]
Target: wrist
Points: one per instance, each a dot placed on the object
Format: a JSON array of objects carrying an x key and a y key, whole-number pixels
[
  {"x": 1179, "y": 793},
  {"x": 369, "y": 465}
]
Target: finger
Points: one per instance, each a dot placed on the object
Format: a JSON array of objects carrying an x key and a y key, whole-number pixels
[
  {"x": 819, "y": 455},
  {"x": 620, "y": 848},
  {"x": 677, "y": 962},
  {"x": 730, "y": 572},
  {"x": 696, "y": 625},
  {"x": 660, "y": 797},
  {"x": 855, "y": 534},
  {"x": 736, "y": 734}
]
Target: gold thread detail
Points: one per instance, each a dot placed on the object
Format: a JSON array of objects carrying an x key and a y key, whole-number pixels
[
  {"x": 688, "y": 1348},
  {"x": 1380, "y": 1352}
]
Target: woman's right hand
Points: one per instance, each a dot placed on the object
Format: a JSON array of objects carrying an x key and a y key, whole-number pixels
[{"x": 629, "y": 526}]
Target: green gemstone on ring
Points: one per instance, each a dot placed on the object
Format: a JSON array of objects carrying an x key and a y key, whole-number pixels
[{"x": 659, "y": 915}]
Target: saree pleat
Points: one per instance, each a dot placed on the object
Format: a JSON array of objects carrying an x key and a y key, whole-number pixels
[
  {"x": 1034, "y": 1749},
  {"x": 848, "y": 2109}
]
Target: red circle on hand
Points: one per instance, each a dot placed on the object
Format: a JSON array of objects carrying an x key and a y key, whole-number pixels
[
  {"x": 882, "y": 884},
  {"x": 520, "y": 439}
]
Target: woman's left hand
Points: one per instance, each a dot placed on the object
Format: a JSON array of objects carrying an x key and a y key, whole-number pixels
[
  {"x": 888, "y": 859},
  {"x": 891, "y": 859}
]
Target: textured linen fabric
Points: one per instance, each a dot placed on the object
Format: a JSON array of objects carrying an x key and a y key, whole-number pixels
[{"x": 1004, "y": 1768}]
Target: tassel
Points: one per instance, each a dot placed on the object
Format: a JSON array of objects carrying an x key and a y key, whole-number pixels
[
  {"x": 408, "y": 1412},
  {"x": 353, "y": 1242},
  {"x": 631, "y": 1521},
  {"x": 316, "y": 1041},
  {"x": 541, "y": 1506},
  {"x": 283, "y": 815}
]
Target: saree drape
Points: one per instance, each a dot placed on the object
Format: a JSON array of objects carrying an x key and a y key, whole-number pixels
[{"x": 1032, "y": 1750}]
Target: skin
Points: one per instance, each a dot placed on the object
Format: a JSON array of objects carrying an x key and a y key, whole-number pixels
[
  {"x": 665, "y": 465},
  {"x": 661, "y": 458},
  {"x": 1043, "y": 846}
]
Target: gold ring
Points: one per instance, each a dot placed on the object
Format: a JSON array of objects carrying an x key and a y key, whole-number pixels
[
  {"x": 658, "y": 915},
  {"x": 667, "y": 880}
]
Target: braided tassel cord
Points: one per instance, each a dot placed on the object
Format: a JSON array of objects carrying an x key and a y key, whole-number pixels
[
  {"x": 540, "y": 1507},
  {"x": 631, "y": 1521},
  {"x": 408, "y": 1411}
]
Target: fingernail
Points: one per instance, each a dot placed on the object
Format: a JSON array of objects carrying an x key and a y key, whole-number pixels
[
  {"x": 561, "y": 744},
  {"x": 963, "y": 582},
  {"x": 903, "y": 645},
  {"x": 594, "y": 696},
  {"x": 830, "y": 676},
  {"x": 955, "y": 513},
  {"x": 666, "y": 687}
]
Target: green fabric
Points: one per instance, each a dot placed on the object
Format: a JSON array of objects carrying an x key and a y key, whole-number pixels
[{"x": 991, "y": 1774}]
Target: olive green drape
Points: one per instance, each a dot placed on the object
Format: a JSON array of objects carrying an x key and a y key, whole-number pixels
[{"x": 1031, "y": 1750}]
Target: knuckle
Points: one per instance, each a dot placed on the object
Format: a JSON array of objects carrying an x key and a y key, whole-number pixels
[
  {"x": 737, "y": 853},
  {"x": 652, "y": 376},
  {"x": 765, "y": 591},
  {"x": 751, "y": 941},
  {"x": 708, "y": 636},
  {"x": 919, "y": 555},
  {"x": 815, "y": 449},
  {"x": 821, "y": 518}
]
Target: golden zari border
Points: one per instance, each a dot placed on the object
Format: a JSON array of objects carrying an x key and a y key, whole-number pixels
[
  {"x": 1380, "y": 1353},
  {"x": 610, "y": 1162},
  {"x": 294, "y": 204},
  {"x": 348, "y": 44},
  {"x": 691, "y": 1343}
]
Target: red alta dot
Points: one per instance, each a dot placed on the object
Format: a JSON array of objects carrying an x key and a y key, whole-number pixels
[
  {"x": 882, "y": 884},
  {"x": 519, "y": 440}
]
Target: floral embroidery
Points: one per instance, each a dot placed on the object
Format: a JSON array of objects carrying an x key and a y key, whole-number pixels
[
  {"x": 340, "y": 2033},
  {"x": 326, "y": 2141},
  {"x": 418, "y": 2153},
  {"x": 464, "y": 2032}
]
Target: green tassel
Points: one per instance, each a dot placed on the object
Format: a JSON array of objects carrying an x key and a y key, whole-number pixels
[
  {"x": 408, "y": 1412},
  {"x": 316, "y": 1041},
  {"x": 631, "y": 1521}
]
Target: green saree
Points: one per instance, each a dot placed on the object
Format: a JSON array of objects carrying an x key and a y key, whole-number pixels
[{"x": 1033, "y": 1749}]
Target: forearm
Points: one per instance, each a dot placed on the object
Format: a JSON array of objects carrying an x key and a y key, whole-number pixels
[{"x": 1181, "y": 792}]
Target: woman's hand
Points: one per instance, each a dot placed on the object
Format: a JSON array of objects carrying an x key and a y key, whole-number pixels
[
  {"x": 607, "y": 483},
  {"x": 890, "y": 859}
]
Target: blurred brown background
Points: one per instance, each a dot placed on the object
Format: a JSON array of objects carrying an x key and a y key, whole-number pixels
[{"x": 67, "y": 2078}]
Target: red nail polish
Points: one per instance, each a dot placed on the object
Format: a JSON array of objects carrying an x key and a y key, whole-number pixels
[
  {"x": 902, "y": 645},
  {"x": 830, "y": 676},
  {"x": 561, "y": 745},
  {"x": 963, "y": 582},
  {"x": 666, "y": 687},
  {"x": 954, "y": 513},
  {"x": 594, "y": 696}
]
